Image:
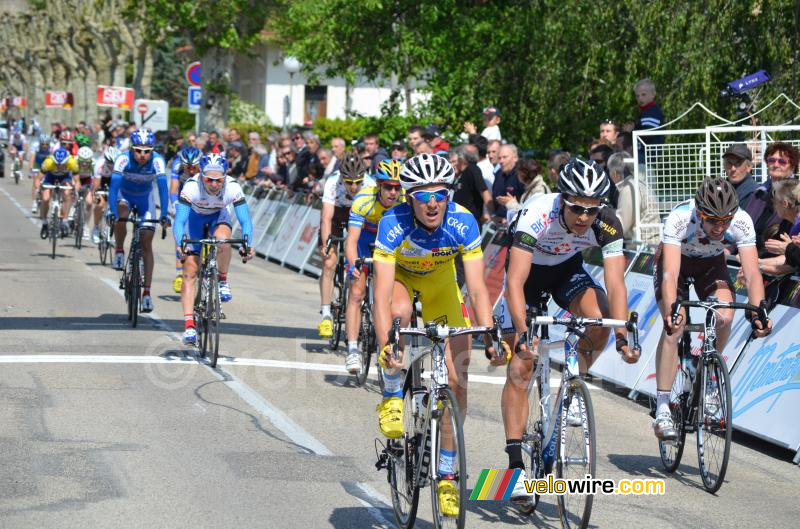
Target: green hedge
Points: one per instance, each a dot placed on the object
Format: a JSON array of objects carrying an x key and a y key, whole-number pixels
[
  {"x": 388, "y": 129},
  {"x": 182, "y": 118}
]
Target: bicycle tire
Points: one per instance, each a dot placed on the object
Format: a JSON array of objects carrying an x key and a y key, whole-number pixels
[
  {"x": 203, "y": 312},
  {"x": 213, "y": 318},
  {"x": 54, "y": 228},
  {"x": 570, "y": 510},
  {"x": 402, "y": 465},
  {"x": 198, "y": 313},
  {"x": 672, "y": 451},
  {"x": 449, "y": 412},
  {"x": 76, "y": 222},
  {"x": 136, "y": 293},
  {"x": 365, "y": 346},
  {"x": 102, "y": 247},
  {"x": 532, "y": 441},
  {"x": 338, "y": 308},
  {"x": 16, "y": 177},
  {"x": 716, "y": 428}
]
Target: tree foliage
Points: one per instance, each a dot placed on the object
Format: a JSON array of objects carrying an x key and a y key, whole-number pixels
[{"x": 555, "y": 69}]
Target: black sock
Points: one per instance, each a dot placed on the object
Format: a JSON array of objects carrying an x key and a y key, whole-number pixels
[{"x": 514, "y": 451}]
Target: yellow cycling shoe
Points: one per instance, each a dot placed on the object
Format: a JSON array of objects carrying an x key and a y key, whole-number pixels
[
  {"x": 390, "y": 417},
  {"x": 326, "y": 328},
  {"x": 177, "y": 284},
  {"x": 448, "y": 498}
]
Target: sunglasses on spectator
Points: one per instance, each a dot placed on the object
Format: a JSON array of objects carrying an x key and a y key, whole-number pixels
[
  {"x": 775, "y": 160},
  {"x": 607, "y": 121},
  {"x": 351, "y": 181},
  {"x": 717, "y": 221},
  {"x": 295, "y": 138},
  {"x": 440, "y": 195},
  {"x": 579, "y": 210}
]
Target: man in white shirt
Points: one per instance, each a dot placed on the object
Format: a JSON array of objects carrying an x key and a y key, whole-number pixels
[{"x": 491, "y": 122}]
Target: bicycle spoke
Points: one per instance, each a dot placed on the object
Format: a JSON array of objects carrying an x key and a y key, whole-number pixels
[
  {"x": 575, "y": 455},
  {"x": 714, "y": 428},
  {"x": 671, "y": 451},
  {"x": 401, "y": 465},
  {"x": 453, "y": 469}
]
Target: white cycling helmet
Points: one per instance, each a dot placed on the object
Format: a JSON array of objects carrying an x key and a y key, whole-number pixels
[
  {"x": 111, "y": 154},
  {"x": 426, "y": 169},
  {"x": 583, "y": 179},
  {"x": 85, "y": 154}
]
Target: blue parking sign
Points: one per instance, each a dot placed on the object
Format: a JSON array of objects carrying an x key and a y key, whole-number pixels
[{"x": 194, "y": 96}]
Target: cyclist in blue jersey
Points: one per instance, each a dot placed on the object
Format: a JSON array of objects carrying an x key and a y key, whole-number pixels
[
  {"x": 39, "y": 151},
  {"x": 415, "y": 250},
  {"x": 183, "y": 167},
  {"x": 203, "y": 205},
  {"x": 132, "y": 186}
]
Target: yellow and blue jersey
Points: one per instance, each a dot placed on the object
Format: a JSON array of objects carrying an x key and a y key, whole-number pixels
[
  {"x": 367, "y": 210},
  {"x": 403, "y": 241}
]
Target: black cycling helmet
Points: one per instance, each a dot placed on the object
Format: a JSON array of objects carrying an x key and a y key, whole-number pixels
[
  {"x": 583, "y": 179},
  {"x": 352, "y": 167},
  {"x": 716, "y": 197}
]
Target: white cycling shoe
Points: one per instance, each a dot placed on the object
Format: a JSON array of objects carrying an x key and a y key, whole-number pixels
[{"x": 147, "y": 304}]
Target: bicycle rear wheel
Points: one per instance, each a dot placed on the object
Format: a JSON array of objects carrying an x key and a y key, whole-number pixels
[
  {"x": 104, "y": 245},
  {"x": 450, "y": 426},
  {"x": 714, "y": 422},
  {"x": 402, "y": 465},
  {"x": 79, "y": 212},
  {"x": 213, "y": 320},
  {"x": 671, "y": 451},
  {"x": 532, "y": 441},
  {"x": 575, "y": 455},
  {"x": 338, "y": 308},
  {"x": 135, "y": 292}
]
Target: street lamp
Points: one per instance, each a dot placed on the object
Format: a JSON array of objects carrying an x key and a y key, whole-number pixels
[{"x": 292, "y": 65}]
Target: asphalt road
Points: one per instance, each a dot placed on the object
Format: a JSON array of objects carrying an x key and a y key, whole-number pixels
[{"x": 106, "y": 426}]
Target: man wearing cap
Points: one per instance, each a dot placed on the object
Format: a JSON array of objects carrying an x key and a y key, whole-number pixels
[
  {"x": 491, "y": 124},
  {"x": 398, "y": 151},
  {"x": 738, "y": 160},
  {"x": 431, "y": 135}
]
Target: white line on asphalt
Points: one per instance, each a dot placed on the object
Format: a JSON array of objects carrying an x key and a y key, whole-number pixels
[{"x": 19, "y": 207}]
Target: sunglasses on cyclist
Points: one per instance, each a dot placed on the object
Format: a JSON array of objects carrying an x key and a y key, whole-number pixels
[
  {"x": 716, "y": 220},
  {"x": 579, "y": 210},
  {"x": 395, "y": 187},
  {"x": 776, "y": 160},
  {"x": 440, "y": 195},
  {"x": 213, "y": 180},
  {"x": 351, "y": 181},
  {"x": 141, "y": 150}
]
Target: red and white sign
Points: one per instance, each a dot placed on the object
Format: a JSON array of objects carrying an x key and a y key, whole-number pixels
[
  {"x": 194, "y": 74},
  {"x": 141, "y": 108},
  {"x": 57, "y": 99},
  {"x": 16, "y": 101},
  {"x": 115, "y": 96}
]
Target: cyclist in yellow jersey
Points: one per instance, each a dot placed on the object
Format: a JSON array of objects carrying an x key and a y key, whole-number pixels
[
  {"x": 59, "y": 169},
  {"x": 415, "y": 249},
  {"x": 368, "y": 207}
]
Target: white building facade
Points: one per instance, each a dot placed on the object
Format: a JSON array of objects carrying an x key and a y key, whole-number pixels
[{"x": 265, "y": 81}]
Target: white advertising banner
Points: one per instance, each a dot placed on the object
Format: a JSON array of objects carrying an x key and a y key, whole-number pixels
[
  {"x": 766, "y": 383},
  {"x": 291, "y": 225},
  {"x": 305, "y": 242},
  {"x": 273, "y": 223}
]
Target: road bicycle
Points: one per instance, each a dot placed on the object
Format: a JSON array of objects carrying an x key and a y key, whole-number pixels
[
  {"x": 432, "y": 423},
  {"x": 367, "y": 342},
  {"x": 339, "y": 297},
  {"x": 105, "y": 244},
  {"x": 79, "y": 216},
  {"x": 700, "y": 399},
  {"x": 207, "y": 311},
  {"x": 54, "y": 230},
  {"x": 552, "y": 437},
  {"x": 132, "y": 280}
]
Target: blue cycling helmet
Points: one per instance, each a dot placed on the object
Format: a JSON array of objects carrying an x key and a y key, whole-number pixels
[
  {"x": 190, "y": 156},
  {"x": 213, "y": 162},
  {"x": 61, "y": 156},
  {"x": 143, "y": 138}
]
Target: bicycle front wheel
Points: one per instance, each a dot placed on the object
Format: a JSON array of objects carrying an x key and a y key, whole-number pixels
[
  {"x": 366, "y": 344},
  {"x": 213, "y": 317},
  {"x": 79, "y": 210},
  {"x": 575, "y": 454},
  {"x": 450, "y": 459},
  {"x": 402, "y": 464},
  {"x": 135, "y": 292},
  {"x": 53, "y": 229},
  {"x": 338, "y": 309},
  {"x": 714, "y": 422},
  {"x": 532, "y": 441},
  {"x": 200, "y": 321}
]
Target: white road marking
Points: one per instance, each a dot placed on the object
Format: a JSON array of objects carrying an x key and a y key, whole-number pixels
[{"x": 19, "y": 207}]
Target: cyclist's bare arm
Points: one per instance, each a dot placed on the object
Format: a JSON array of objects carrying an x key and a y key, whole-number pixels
[
  {"x": 519, "y": 267},
  {"x": 671, "y": 263},
  {"x": 748, "y": 256},
  {"x": 614, "y": 278},
  {"x": 351, "y": 244},
  {"x": 384, "y": 287},
  {"x": 325, "y": 223}
]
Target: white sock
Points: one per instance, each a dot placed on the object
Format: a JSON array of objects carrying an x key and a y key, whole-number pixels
[
  {"x": 392, "y": 384},
  {"x": 326, "y": 311},
  {"x": 662, "y": 402},
  {"x": 352, "y": 346}
]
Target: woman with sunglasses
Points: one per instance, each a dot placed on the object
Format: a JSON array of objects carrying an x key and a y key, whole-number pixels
[
  {"x": 368, "y": 208},
  {"x": 132, "y": 180},
  {"x": 786, "y": 202},
  {"x": 337, "y": 197},
  {"x": 548, "y": 235},
  {"x": 782, "y": 160},
  {"x": 416, "y": 245},
  {"x": 203, "y": 205},
  {"x": 692, "y": 247}
]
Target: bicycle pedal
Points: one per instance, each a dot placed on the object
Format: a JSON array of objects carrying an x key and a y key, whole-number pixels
[{"x": 222, "y": 316}]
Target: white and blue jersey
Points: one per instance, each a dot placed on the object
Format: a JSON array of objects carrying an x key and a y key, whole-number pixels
[
  {"x": 197, "y": 210},
  {"x": 132, "y": 184}
]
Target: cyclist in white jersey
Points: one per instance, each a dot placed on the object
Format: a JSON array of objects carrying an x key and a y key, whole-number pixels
[
  {"x": 340, "y": 189},
  {"x": 548, "y": 234},
  {"x": 692, "y": 246}
]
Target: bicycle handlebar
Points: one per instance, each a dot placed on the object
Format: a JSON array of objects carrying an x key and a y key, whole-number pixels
[
  {"x": 48, "y": 186},
  {"x": 435, "y": 332},
  {"x": 577, "y": 322},
  {"x": 713, "y": 304},
  {"x": 331, "y": 240},
  {"x": 243, "y": 251},
  {"x": 135, "y": 220}
]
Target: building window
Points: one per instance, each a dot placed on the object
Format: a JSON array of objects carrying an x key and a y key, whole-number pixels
[{"x": 315, "y": 103}]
